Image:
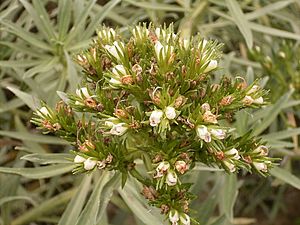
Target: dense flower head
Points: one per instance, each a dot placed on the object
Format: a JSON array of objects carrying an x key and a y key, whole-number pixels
[{"x": 154, "y": 94}]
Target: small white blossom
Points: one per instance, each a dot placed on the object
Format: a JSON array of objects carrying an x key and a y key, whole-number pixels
[
  {"x": 115, "y": 81},
  {"x": 248, "y": 100},
  {"x": 185, "y": 219},
  {"x": 218, "y": 133},
  {"x": 254, "y": 89},
  {"x": 174, "y": 216},
  {"x": 171, "y": 179},
  {"x": 261, "y": 166},
  {"x": 119, "y": 70},
  {"x": 155, "y": 118},
  {"x": 162, "y": 51},
  {"x": 211, "y": 66},
  {"x": 89, "y": 164},
  {"x": 83, "y": 92},
  {"x": 230, "y": 166},
  {"x": 233, "y": 153},
  {"x": 107, "y": 34},
  {"x": 170, "y": 112},
  {"x": 203, "y": 133},
  {"x": 162, "y": 34},
  {"x": 116, "y": 49},
  {"x": 42, "y": 112},
  {"x": 262, "y": 150},
  {"x": 181, "y": 166},
  {"x": 259, "y": 100},
  {"x": 79, "y": 159},
  {"x": 161, "y": 169},
  {"x": 205, "y": 107},
  {"x": 118, "y": 129},
  {"x": 140, "y": 32}
]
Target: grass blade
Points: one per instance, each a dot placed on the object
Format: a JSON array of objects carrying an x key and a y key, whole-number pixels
[
  {"x": 48, "y": 158},
  {"x": 286, "y": 176},
  {"x": 241, "y": 21}
]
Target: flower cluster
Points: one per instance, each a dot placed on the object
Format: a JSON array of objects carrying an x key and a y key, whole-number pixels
[{"x": 153, "y": 97}]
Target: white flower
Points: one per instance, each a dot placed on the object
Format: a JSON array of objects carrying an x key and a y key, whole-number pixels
[
  {"x": 79, "y": 159},
  {"x": 185, "y": 219},
  {"x": 202, "y": 44},
  {"x": 171, "y": 179},
  {"x": 260, "y": 166},
  {"x": 203, "y": 133},
  {"x": 262, "y": 150},
  {"x": 118, "y": 129},
  {"x": 42, "y": 112},
  {"x": 119, "y": 70},
  {"x": 107, "y": 34},
  {"x": 173, "y": 216},
  {"x": 254, "y": 89},
  {"x": 205, "y": 107},
  {"x": 233, "y": 153},
  {"x": 209, "y": 117},
  {"x": 259, "y": 100},
  {"x": 155, "y": 118},
  {"x": 116, "y": 49},
  {"x": 181, "y": 166},
  {"x": 230, "y": 166},
  {"x": 89, "y": 164},
  {"x": 162, "y": 51},
  {"x": 211, "y": 66},
  {"x": 83, "y": 92},
  {"x": 161, "y": 34},
  {"x": 114, "y": 81},
  {"x": 170, "y": 112},
  {"x": 111, "y": 121},
  {"x": 186, "y": 43},
  {"x": 161, "y": 169},
  {"x": 139, "y": 32},
  {"x": 218, "y": 133},
  {"x": 248, "y": 100}
]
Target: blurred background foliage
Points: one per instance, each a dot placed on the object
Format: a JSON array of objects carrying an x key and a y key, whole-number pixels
[{"x": 38, "y": 40}]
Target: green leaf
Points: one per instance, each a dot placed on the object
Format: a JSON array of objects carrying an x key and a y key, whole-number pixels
[
  {"x": 281, "y": 134},
  {"x": 89, "y": 213},
  {"x": 219, "y": 221},
  {"x": 48, "y": 158},
  {"x": 33, "y": 137},
  {"x": 28, "y": 99},
  {"x": 99, "y": 18},
  {"x": 157, "y": 6},
  {"x": 228, "y": 195},
  {"x": 17, "y": 198},
  {"x": 274, "y": 111},
  {"x": 285, "y": 176},
  {"x": 64, "y": 18},
  {"x": 240, "y": 20},
  {"x": 133, "y": 200},
  {"x": 44, "y": 66},
  {"x": 45, "y": 208},
  {"x": 75, "y": 206},
  {"x": 11, "y": 105},
  {"x": 7, "y": 11},
  {"x": 29, "y": 37},
  {"x": 39, "y": 172}
]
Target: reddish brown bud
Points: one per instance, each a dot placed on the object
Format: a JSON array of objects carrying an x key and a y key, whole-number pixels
[{"x": 226, "y": 100}]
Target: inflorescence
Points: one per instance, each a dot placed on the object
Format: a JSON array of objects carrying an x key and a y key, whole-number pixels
[{"x": 153, "y": 97}]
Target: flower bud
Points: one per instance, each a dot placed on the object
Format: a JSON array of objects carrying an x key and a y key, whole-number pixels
[
  {"x": 79, "y": 159},
  {"x": 230, "y": 166},
  {"x": 218, "y": 133},
  {"x": 174, "y": 216},
  {"x": 170, "y": 112},
  {"x": 211, "y": 66},
  {"x": 203, "y": 133},
  {"x": 261, "y": 166},
  {"x": 107, "y": 34},
  {"x": 163, "y": 167},
  {"x": 227, "y": 100},
  {"x": 155, "y": 118},
  {"x": 171, "y": 179},
  {"x": 89, "y": 164},
  {"x": 118, "y": 129},
  {"x": 205, "y": 107},
  {"x": 83, "y": 92},
  {"x": 179, "y": 101},
  {"x": 185, "y": 219},
  {"x": 233, "y": 153},
  {"x": 262, "y": 150},
  {"x": 140, "y": 32},
  {"x": 181, "y": 166},
  {"x": 209, "y": 117},
  {"x": 162, "y": 51}
]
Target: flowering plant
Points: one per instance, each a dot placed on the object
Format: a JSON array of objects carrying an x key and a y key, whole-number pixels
[{"x": 152, "y": 97}]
